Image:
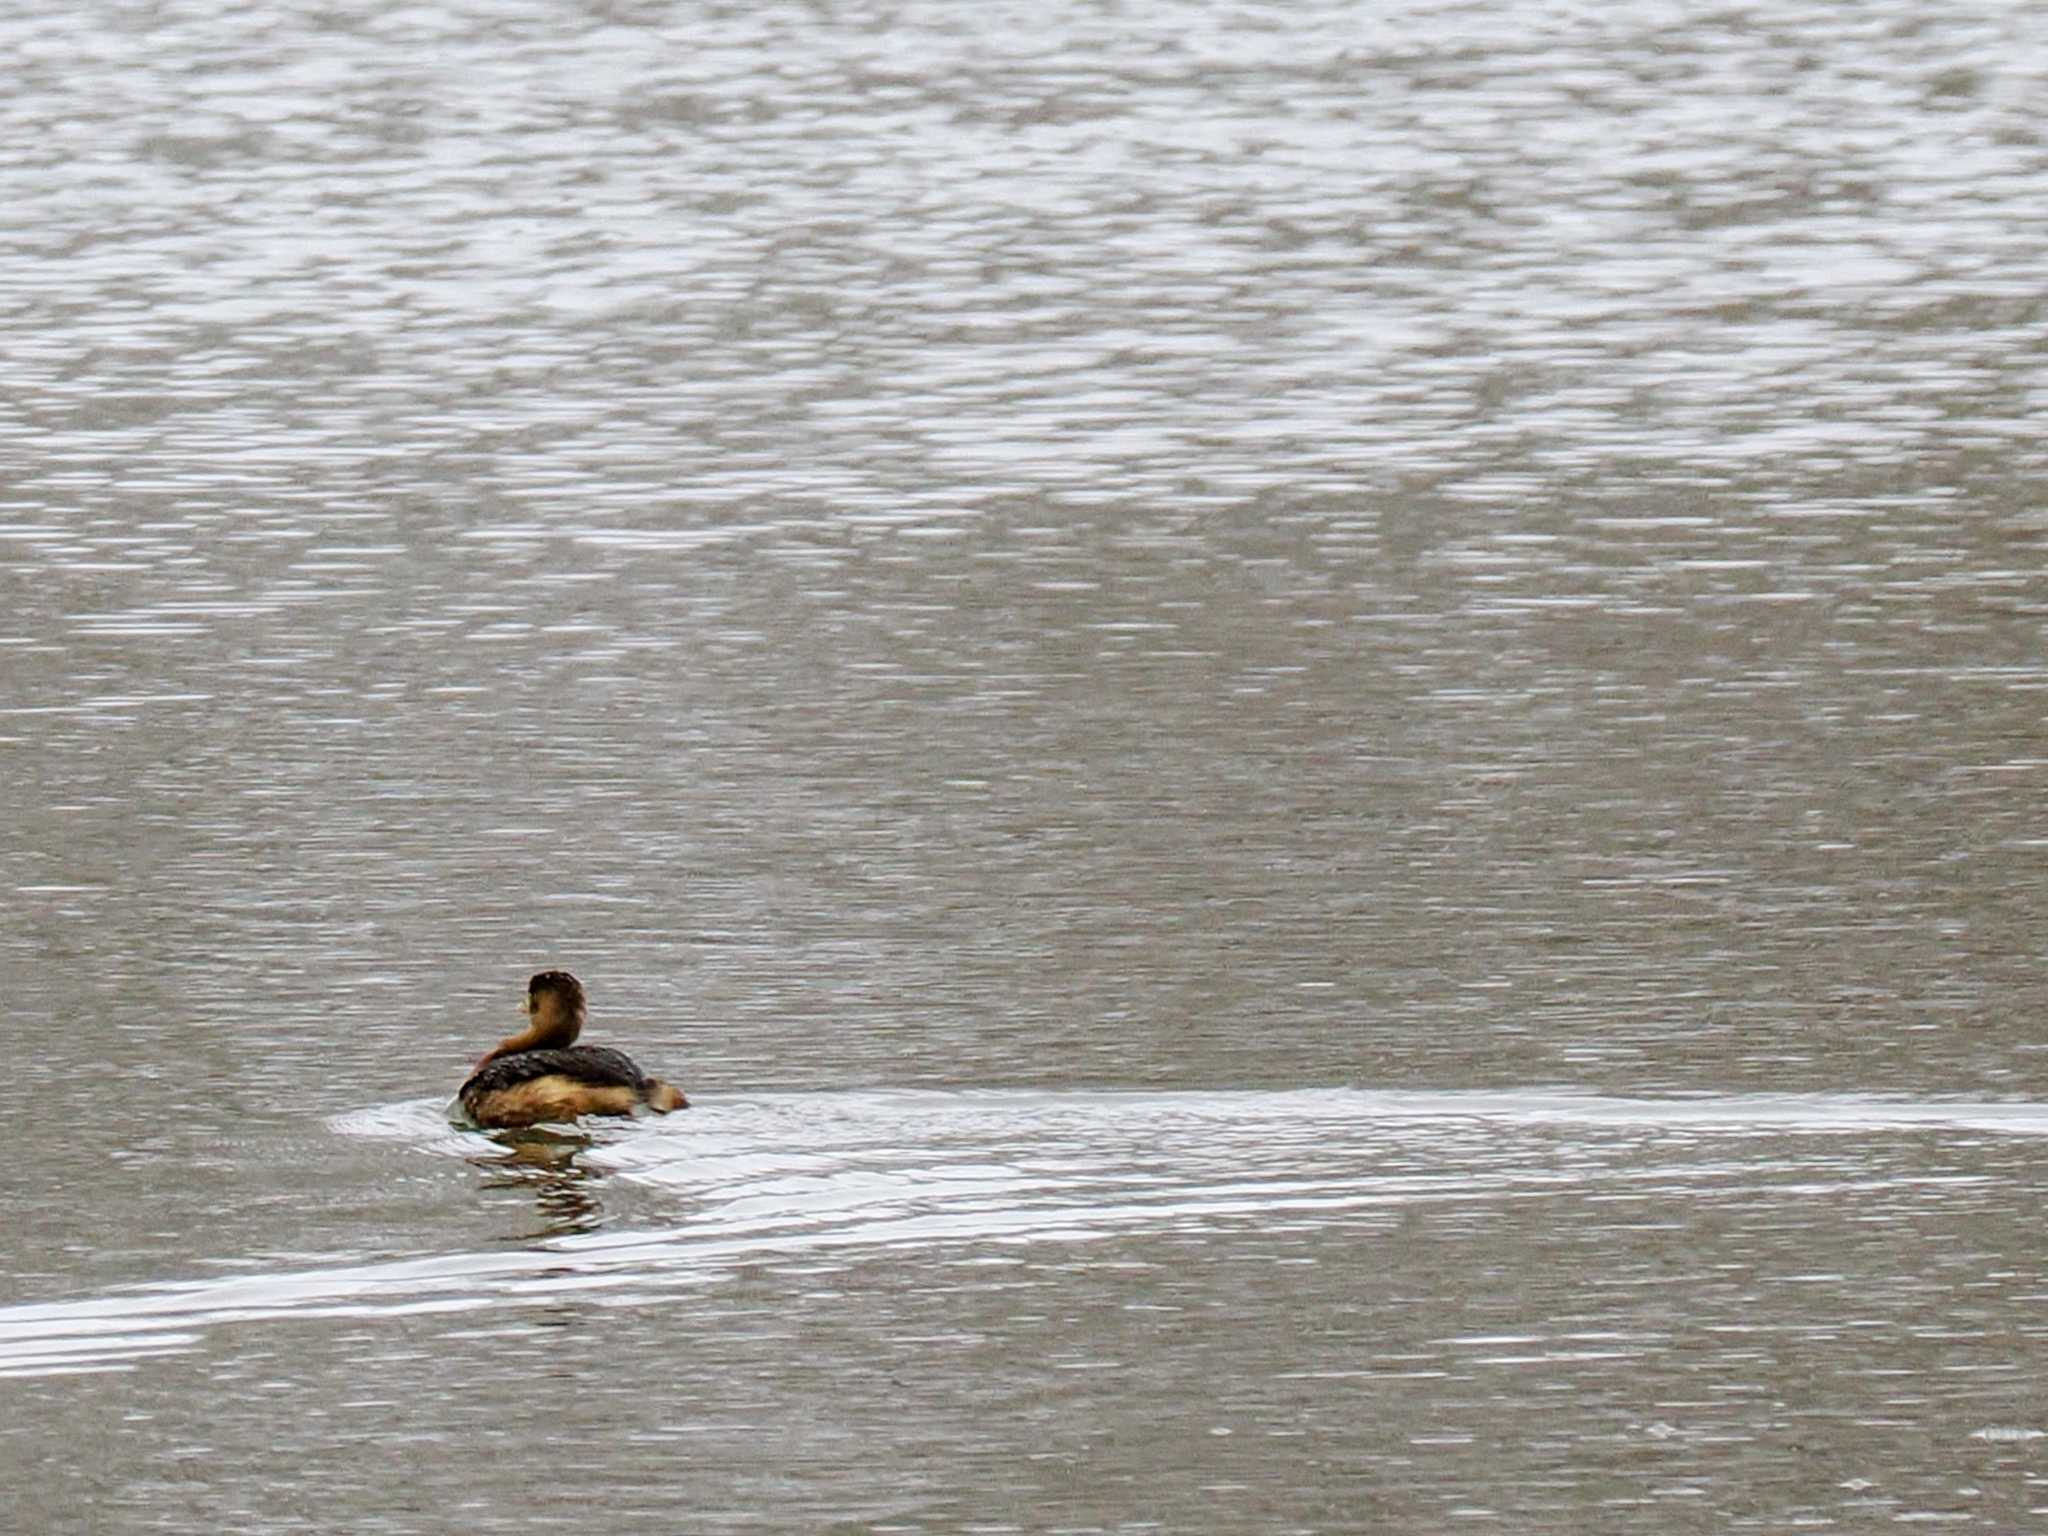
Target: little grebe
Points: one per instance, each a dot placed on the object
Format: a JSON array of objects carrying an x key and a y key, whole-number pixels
[{"x": 541, "y": 1074}]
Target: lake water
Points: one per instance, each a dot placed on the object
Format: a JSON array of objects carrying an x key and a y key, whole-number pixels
[{"x": 1318, "y": 730}]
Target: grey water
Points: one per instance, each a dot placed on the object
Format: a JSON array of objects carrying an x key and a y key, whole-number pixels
[{"x": 1318, "y": 730}]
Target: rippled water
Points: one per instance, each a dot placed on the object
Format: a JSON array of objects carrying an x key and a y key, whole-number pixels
[
  {"x": 1318, "y": 730},
  {"x": 1023, "y": 1308}
]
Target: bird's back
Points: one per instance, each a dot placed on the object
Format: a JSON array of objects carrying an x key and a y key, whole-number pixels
[{"x": 599, "y": 1066}]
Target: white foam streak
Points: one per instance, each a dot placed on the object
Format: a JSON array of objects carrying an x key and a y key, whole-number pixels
[{"x": 781, "y": 1175}]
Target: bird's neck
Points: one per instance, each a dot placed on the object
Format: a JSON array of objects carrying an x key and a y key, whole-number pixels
[{"x": 552, "y": 1030}]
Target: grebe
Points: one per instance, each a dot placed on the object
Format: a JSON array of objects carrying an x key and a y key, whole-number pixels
[{"x": 542, "y": 1074}]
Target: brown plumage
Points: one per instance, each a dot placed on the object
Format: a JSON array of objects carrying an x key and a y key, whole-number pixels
[{"x": 541, "y": 1074}]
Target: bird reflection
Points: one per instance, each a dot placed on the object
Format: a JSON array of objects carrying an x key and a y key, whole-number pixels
[{"x": 544, "y": 1162}]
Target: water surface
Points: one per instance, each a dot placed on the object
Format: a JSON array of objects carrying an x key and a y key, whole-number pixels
[{"x": 1317, "y": 729}]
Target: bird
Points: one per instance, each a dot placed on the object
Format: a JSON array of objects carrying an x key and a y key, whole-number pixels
[{"x": 541, "y": 1074}]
